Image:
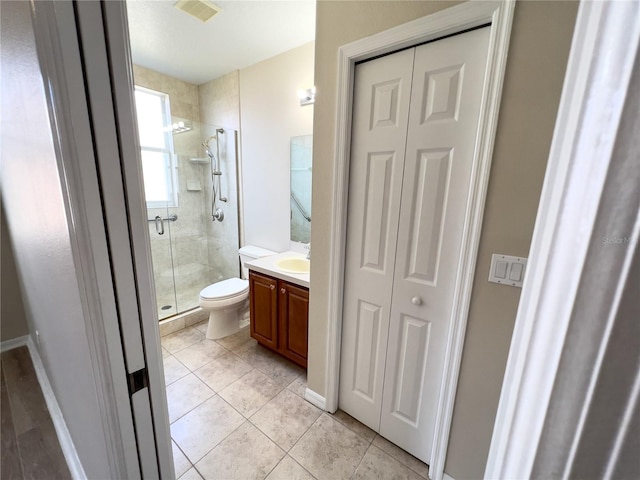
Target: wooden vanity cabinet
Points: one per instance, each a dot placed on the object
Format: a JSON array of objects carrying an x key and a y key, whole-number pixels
[
  {"x": 279, "y": 316},
  {"x": 263, "y": 308}
]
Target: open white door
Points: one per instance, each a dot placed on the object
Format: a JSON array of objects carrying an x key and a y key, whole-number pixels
[
  {"x": 81, "y": 45},
  {"x": 105, "y": 51}
]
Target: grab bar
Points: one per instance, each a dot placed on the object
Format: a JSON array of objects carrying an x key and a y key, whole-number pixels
[
  {"x": 160, "y": 222},
  {"x": 297, "y": 203}
]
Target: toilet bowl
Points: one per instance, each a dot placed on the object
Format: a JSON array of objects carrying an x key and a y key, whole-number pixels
[{"x": 227, "y": 300}]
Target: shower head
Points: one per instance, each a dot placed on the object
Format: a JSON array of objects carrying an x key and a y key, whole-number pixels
[
  {"x": 212, "y": 137},
  {"x": 209, "y": 154}
]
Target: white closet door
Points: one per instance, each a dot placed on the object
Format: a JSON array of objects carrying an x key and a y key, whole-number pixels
[
  {"x": 448, "y": 79},
  {"x": 380, "y": 113}
]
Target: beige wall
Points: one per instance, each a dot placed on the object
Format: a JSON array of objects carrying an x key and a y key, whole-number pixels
[
  {"x": 220, "y": 101},
  {"x": 183, "y": 95},
  {"x": 538, "y": 53},
  {"x": 37, "y": 213},
  {"x": 13, "y": 319},
  {"x": 270, "y": 115}
]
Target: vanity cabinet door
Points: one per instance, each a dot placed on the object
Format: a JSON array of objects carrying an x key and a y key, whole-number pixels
[
  {"x": 263, "y": 305},
  {"x": 293, "y": 306}
]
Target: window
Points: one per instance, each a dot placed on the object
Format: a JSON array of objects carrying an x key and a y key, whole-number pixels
[{"x": 156, "y": 147}]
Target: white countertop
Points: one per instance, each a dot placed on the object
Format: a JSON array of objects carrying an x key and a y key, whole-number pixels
[{"x": 267, "y": 266}]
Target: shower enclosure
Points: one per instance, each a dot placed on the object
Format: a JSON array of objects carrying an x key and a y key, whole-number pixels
[{"x": 191, "y": 185}]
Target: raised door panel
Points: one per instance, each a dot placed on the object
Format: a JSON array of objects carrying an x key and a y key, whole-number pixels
[
  {"x": 382, "y": 91},
  {"x": 448, "y": 81},
  {"x": 263, "y": 307},
  {"x": 293, "y": 308}
]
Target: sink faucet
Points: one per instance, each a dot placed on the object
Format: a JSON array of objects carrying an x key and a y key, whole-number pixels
[{"x": 308, "y": 247}]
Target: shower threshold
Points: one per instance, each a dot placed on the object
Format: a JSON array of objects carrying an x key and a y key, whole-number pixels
[{"x": 182, "y": 321}]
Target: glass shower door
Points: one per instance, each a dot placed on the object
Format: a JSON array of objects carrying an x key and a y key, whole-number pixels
[
  {"x": 160, "y": 220},
  {"x": 191, "y": 189}
]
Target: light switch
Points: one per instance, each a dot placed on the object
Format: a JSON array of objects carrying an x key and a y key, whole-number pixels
[
  {"x": 501, "y": 269},
  {"x": 507, "y": 270},
  {"x": 516, "y": 272}
]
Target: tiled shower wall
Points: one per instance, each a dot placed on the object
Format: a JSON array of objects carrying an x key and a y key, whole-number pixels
[
  {"x": 220, "y": 105},
  {"x": 194, "y": 251}
]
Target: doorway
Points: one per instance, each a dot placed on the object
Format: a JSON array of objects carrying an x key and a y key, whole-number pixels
[{"x": 454, "y": 20}]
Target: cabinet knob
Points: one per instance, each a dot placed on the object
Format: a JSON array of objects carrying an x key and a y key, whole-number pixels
[
  {"x": 283, "y": 291},
  {"x": 272, "y": 287},
  {"x": 416, "y": 301}
]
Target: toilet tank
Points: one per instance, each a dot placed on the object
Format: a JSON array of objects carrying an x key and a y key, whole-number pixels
[{"x": 251, "y": 252}]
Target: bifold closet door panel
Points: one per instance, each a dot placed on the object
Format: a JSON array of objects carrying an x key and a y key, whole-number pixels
[
  {"x": 448, "y": 80},
  {"x": 380, "y": 114}
]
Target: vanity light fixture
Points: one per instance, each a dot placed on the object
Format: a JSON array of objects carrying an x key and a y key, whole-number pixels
[
  {"x": 307, "y": 97},
  {"x": 179, "y": 127}
]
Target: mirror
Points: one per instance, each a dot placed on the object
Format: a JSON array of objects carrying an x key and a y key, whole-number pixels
[{"x": 301, "y": 161}]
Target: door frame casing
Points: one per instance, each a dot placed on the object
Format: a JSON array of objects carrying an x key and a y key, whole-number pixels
[
  {"x": 121, "y": 65},
  {"x": 499, "y": 15},
  {"x": 56, "y": 36},
  {"x": 539, "y": 426},
  {"x": 72, "y": 86}
]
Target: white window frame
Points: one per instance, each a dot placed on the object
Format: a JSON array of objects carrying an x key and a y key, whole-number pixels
[{"x": 170, "y": 157}]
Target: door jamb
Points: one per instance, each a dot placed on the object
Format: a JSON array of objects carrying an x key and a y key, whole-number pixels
[
  {"x": 56, "y": 37},
  {"x": 499, "y": 15}
]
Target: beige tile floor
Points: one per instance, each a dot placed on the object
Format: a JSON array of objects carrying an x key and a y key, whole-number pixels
[{"x": 237, "y": 412}]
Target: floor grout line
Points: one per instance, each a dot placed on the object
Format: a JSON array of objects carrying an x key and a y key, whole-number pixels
[
  {"x": 281, "y": 387},
  {"x": 259, "y": 360},
  {"x": 360, "y": 462}
]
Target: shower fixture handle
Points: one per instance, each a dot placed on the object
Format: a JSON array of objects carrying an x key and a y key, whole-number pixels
[
  {"x": 218, "y": 215},
  {"x": 159, "y": 225}
]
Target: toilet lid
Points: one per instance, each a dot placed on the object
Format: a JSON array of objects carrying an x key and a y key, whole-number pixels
[{"x": 225, "y": 289}]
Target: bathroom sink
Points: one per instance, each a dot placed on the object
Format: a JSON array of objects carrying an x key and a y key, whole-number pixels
[{"x": 293, "y": 265}]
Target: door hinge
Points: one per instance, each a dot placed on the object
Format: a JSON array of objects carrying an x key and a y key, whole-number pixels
[{"x": 138, "y": 380}]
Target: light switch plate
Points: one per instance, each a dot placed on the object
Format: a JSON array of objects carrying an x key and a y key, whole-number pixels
[{"x": 507, "y": 270}]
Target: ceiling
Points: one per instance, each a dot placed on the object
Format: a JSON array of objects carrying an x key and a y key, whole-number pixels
[{"x": 172, "y": 42}]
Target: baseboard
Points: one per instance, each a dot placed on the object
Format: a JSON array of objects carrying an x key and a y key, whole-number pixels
[
  {"x": 66, "y": 443},
  {"x": 315, "y": 399},
  {"x": 447, "y": 477},
  {"x": 14, "y": 343}
]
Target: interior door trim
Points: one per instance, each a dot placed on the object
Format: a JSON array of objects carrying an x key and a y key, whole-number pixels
[
  {"x": 499, "y": 14},
  {"x": 56, "y": 35}
]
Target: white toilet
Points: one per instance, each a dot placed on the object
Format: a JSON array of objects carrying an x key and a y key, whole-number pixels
[{"x": 227, "y": 300}]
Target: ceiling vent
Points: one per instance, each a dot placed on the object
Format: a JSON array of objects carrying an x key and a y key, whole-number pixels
[{"x": 203, "y": 10}]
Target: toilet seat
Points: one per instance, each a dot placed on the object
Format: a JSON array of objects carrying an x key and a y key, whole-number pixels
[
  {"x": 225, "y": 289},
  {"x": 224, "y": 294}
]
